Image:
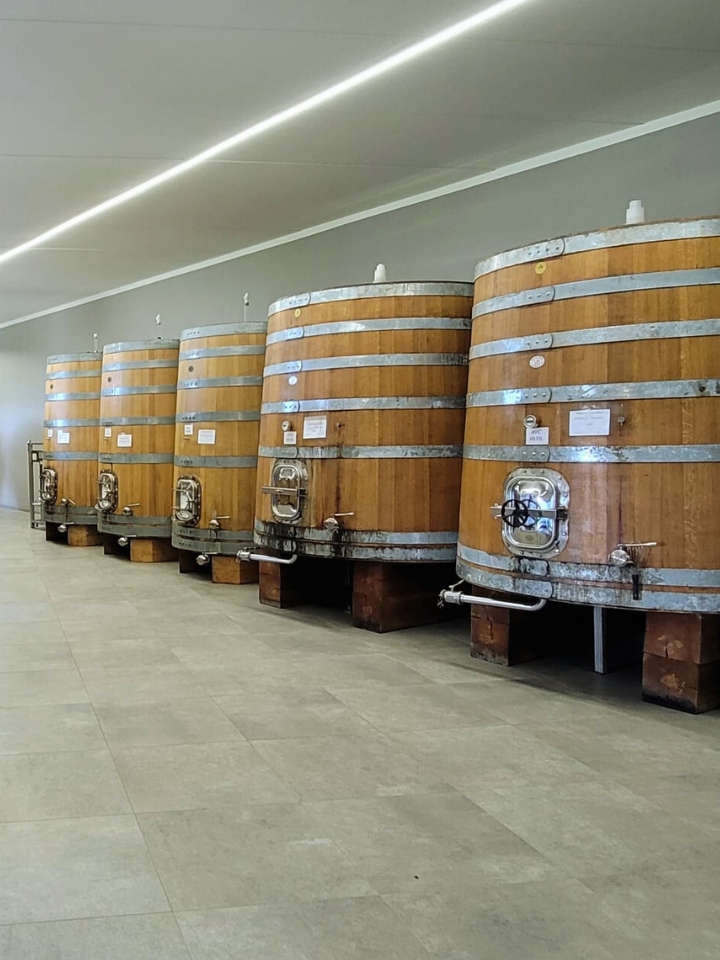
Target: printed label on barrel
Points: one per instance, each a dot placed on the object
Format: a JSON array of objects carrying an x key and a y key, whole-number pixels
[
  {"x": 124, "y": 440},
  {"x": 50, "y": 433},
  {"x": 188, "y": 429},
  {"x": 108, "y": 433},
  {"x": 537, "y": 436},
  {"x": 589, "y": 423},
  {"x": 315, "y": 428},
  {"x": 63, "y": 436},
  {"x": 206, "y": 436}
]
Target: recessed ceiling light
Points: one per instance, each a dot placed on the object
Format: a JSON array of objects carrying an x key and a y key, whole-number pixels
[{"x": 305, "y": 106}]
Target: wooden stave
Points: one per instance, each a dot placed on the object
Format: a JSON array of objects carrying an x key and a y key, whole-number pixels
[
  {"x": 76, "y": 479},
  {"x": 648, "y": 422},
  {"x": 224, "y": 491},
  {"x": 150, "y": 484},
  {"x": 331, "y": 482}
]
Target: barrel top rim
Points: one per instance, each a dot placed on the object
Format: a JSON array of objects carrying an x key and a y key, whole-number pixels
[
  {"x": 363, "y": 291},
  {"x": 75, "y": 357},
  {"x": 584, "y": 240},
  {"x": 127, "y": 346},
  {"x": 224, "y": 329}
]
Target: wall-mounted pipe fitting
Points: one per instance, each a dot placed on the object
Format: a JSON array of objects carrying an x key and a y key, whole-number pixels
[
  {"x": 457, "y": 597},
  {"x": 249, "y": 554}
]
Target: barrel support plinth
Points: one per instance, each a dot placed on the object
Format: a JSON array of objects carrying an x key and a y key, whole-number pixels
[
  {"x": 681, "y": 663},
  {"x": 395, "y": 596}
]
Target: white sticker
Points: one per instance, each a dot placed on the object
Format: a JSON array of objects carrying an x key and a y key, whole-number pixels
[
  {"x": 124, "y": 440},
  {"x": 315, "y": 428},
  {"x": 108, "y": 432},
  {"x": 206, "y": 436},
  {"x": 188, "y": 429},
  {"x": 63, "y": 436},
  {"x": 535, "y": 436},
  {"x": 537, "y": 362},
  {"x": 49, "y": 434},
  {"x": 589, "y": 423},
  {"x": 290, "y": 438},
  {"x": 292, "y": 381}
]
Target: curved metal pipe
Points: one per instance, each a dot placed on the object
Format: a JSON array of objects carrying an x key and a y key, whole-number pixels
[
  {"x": 456, "y": 596},
  {"x": 249, "y": 554}
]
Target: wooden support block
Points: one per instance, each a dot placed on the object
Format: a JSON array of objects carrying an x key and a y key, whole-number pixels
[
  {"x": 111, "y": 547},
  {"x": 187, "y": 562},
  {"x": 281, "y": 586},
  {"x": 395, "y": 596},
  {"x": 231, "y": 570},
  {"x": 681, "y": 665},
  {"x": 83, "y": 536},
  {"x": 52, "y": 532},
  {"x": 152, "y": 550},
  {"x": 509, "y": 637}
]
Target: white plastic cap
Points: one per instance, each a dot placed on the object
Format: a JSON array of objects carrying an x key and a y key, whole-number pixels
[
  {"x": 380, "y": 273},
  {"x": 635, "y": 212}
]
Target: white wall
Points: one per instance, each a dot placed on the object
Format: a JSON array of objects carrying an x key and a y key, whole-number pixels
[{"x": 675, "y": 172}]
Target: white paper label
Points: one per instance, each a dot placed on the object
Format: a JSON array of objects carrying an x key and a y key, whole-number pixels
[
  {"x": 535, "y": 436},
  {"x": 108, "y": 432},
  {"x": 537, "y": 362},
  {"x": 589, "y": 423},
  {"x": 292, "y": 381},
  {"x": 290, "y": 438},
  {"x": 206, "y": 436},
  {"x": 124, "y": 440},
  {"x": 189, "y": 429},
  {"x": 49, "y": 434},
  {"x": 315, "y": 428},
  {"x": 63, "y": 436}
]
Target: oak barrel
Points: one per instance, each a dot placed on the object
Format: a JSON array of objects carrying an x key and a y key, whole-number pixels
[
  {"x": 216, "y": 438},
  {"x": 362, "y": 422},
  {"x": 137, "y": 438},
  {"x": 592, "y": 441},
  {"x": 72, "y": 411}
]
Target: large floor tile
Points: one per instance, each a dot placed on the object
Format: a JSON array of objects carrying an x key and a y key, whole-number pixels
[
  {"x": 33, "y": 631},
  {"x": 361, "y": 670},
  {"x": 326, "y": 768},
  {"x": 222, "y": 650},
  {"x": 39, "y": 687},
  {"x": 600, "y": 828},
  {"x": 362, "y": 928},
  {"x": 543, "y": 920},
  {"x": 410, "y": 843},
  {"x": 227, "y": 858},
  {"x": 198, "y": 776},
  {"x": 289, "y": 712},
  {"x": 140, "y": 684},
  {"x": 40, "y": 786},
  {"x": 172, "y": 721},
  {"x": 152, "y": 937},
  {"x": 104, "y": 654},
  {"x": 94, "y": 609},
  {"x": 34, "y": 655},
  {"x": 46, "y": 729},
  {"x": 71, "y": 869},
  {"x": 246, "y": 674},
  {"x": 13, "y": 612}
]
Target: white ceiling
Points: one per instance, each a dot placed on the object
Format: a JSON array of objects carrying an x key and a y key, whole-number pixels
[{"x": 101, "y": 94}]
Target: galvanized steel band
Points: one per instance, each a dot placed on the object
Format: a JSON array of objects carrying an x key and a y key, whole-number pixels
[
  {"x": 73, "y": 374},
  {"x": 220, "y": 382},
  {"x": 366, "y": 403},
  {"x": 224, "y": 329},
  {"x": 204, "y": 535},
  {"x": 661, "y": 453},
  {"x": 213, "y": 548},
  {"x": 591, "y": 572},
  {"x": 217, "y": 416},
  {"x": 118, "y": 525},
  {"x": 136, "y": 421},
  {"x": 600, "y": 240},
  {"x": 576, "y": 393},
  {"x": 363, "y": 291},
  {"x": 616, "y": 334},
  {"x": 410, "y": 451},
  {"x": 228, "y": 462},
  {"x": 75, "y": 357},
  {"x": 138, "y": 391},
  {"x": 140, "y": 365},
  {"x": 662, "y": 280},
  {"x": 76, "y": 422},
  {"x": 70, "y": 455},
  {"x": 368, "y": 360},
  {"x": 351, "y": 545},
  {"x": 55, "y": 513},
  {"x": 597, "y": 596},
  {"x": 135, "y": 457},
  {"x": 234, "y": 351},
  {"x": 370, "y": 326},
  {"x": 56, "y": 397},
  {"x": 383, "y": 537},
  {"x": 131, "y": 345}
]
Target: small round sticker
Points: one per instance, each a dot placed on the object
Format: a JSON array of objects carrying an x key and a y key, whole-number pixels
[
  {"x": 293, "y": 380},
  {"x": 537, "y": 362},
  {"x": 540, "y": 268},
  {"x": 298, "y": 312}
]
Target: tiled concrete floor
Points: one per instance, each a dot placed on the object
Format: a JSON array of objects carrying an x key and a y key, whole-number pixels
[{"x": 184, "y": 774}]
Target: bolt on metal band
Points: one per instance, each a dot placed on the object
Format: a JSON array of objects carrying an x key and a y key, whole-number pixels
[
  {"x": 135, "y": 457},
  {"x": 224, "y": 329},
  {"x": 370, "y": 326},
  {"x": 138, "y": 391},
  {"x": 365, "y": 403},
  {"x": 226, "y": 462},
  {"x": 57, "y": 397},
  {"x": 664, "y": 453},
  {"x": 368, "y": 360},
  {"x": 220, "y": 382},
  {"x": 577, "y": 393},
  {"x": 373, "y": 290},
  {"x": 405, "y": 452},
  {"x": 131, "y": 345},
  {"x": 217, "y": 416}
]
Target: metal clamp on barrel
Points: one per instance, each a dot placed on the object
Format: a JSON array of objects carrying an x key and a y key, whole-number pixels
[
  {"x": 452, "y": 595},
  {"x": 248, "y": 553}
]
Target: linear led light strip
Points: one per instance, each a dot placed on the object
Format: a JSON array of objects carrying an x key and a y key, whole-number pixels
[{"x": 305, "y": 106}]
